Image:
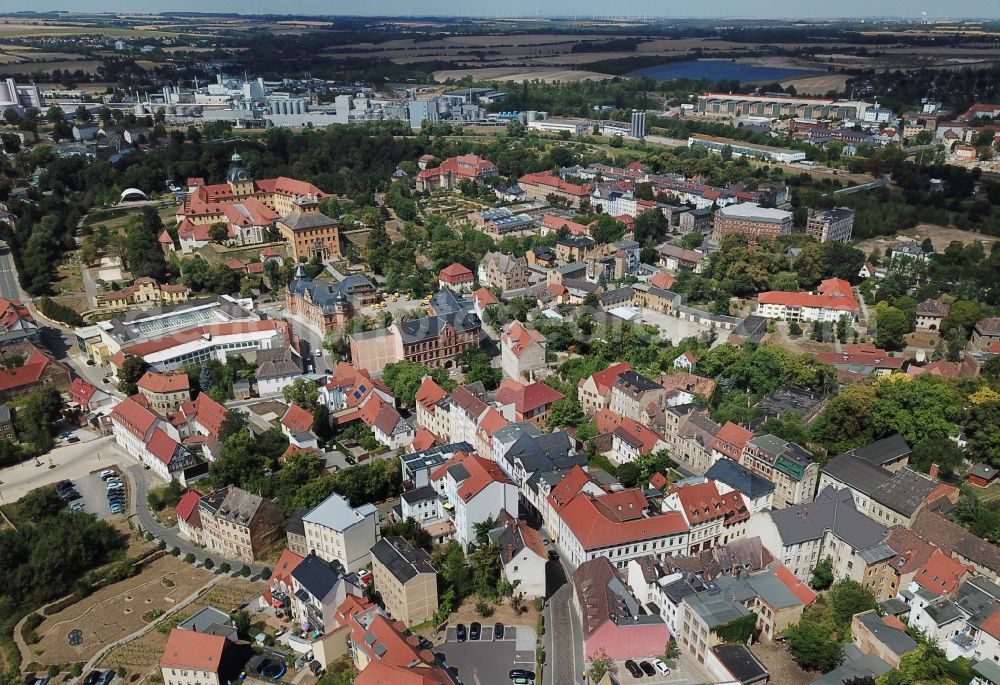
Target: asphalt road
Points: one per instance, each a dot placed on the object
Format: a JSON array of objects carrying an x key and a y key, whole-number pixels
[{"x": 9, "y": 287}]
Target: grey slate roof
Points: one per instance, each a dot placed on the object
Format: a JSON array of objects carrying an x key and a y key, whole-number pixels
[
  {"x": 895, "y": 639},
  {"x": 402, "y": 560},
  {"x": 424, "y": 492},
  {"x": 883, "y": 451},
  {"x": 298, "y": 221},
  {"x": 431, "y": 326},
  {"x": 316, "y": 576},
  {"x": 832, "y": 510},
  {"x": 739, "y": 478},
  {"x": 903, "y": 491},
  {"x": 741, "y": 663},
  {"x": 855, "y": 665}
]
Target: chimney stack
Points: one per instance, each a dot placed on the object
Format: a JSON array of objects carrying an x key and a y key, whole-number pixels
[{"x": 933, "y": 471}]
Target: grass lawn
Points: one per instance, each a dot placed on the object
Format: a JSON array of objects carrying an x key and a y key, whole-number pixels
[{"x": 991, "y": 493}]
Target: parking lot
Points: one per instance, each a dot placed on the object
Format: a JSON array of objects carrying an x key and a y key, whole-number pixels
[
  {"x": 487, "y": 661},
  {"x": 684, "y": 673},
  {"x": 93, "y": 494}
]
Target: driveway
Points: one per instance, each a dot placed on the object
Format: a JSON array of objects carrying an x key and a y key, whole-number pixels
[{"x": 675, "y": 329}]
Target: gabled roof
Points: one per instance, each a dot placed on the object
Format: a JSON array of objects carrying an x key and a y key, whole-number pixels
[
  {"x": 154, "y": 382},
  {"x": 80, "y": 391},
  {"x": 188, "y": 649},
  {"x": 187, "y": 507},
  {"x": 605, "y": 379},
  {"x": 287, "y": 562},
  {"x": 941, "y": 574},
  {"x": 526, "y": 398},
  {"x": 616, "y": 519},
  {"x": 518, "y": 338},
  {"x": 134, "y": 417},
  {"x": 472, "y": 474},
  {"x": 429, "y": 393},
  {"x": 833, "y": 510},
  {"x": 297, "y": 418},
  {"x": 739, "y": 478}
]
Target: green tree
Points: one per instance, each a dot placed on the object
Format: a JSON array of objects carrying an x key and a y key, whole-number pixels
[
  {"x": 37, "y": 415},
  {"x": 234, "y": 422},
  {"x": 891, "y": 325},
  {"x": 813, "y": 648},
  {"x": 822, "y": 575},
  {"x": 218, "y": 232},
  {"x": 565, "y": 412},
  {"x": 600, "y": 666},
  {"x": 404, "y": 378},
  {"x": 241, "y": 621},
  {"x": 302, "y": 392},
  {"x": 40, "y": 504},
  {"x": 132, "y": 369}
]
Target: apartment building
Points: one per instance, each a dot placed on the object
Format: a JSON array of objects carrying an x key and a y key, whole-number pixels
[
  {"x": 831, "y": 526},
  {"x": 237, "y": 524},
  {"x": 587, "y": 523},
  {"x": 506, "y": 272},
  {"x": 432, "y": 408},
  {"x": 149, "y": 438},
  {"x": 318, "y": 588},
  {"x": 194, "y": 658},
  {"x": 714, "y": 515},
  {"x": 831, "y": 224},
  {"x": 336, "y": 531},
  {"x": 594, "y": 392},
  {"x": 165, "y": 392},
  {"x": 540, "y": 186},
  {"x": 632, "y": 392},
  {"x": 522, "y": 351},
  {"x": 790, "y": 467},
  {"x": 751, "y": 220},
  {"x": 405, "y": 580},
  {"x": 473, "y": 489}
]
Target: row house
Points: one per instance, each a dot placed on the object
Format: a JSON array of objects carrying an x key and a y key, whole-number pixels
[
  {"x": 473, "y": 489},
  {"x": 831, "y": 526},
  {"x": 630, "y": 439},
  {"x": 536, "y": 462},
  {"x": 966, "y": 624},
  {"x": 237, "y": 524},
  {"x": 432, "y": 408},
  {"x": 757, "y": 491},
  {"x": 714, "y": 515},
  {"x": 151, "y": 439},
  {"x": 522, "y": 351},
  {"x": 891, "y": 497},
  {"x": 532, "y": 403},
  {"x": 632, "y": 392},
  {"x": 200, "y": 423},
  {"x": 790, "y": 467},
  {"x": 618, "y": 525},
  {"x": 594, "y": 392}
]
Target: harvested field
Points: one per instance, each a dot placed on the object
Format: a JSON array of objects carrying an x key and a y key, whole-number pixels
[
  {"x": 941, "y": 235},
  {"x": 115, "y": 611},
  {"x": 817, "y": 85},
  {"x": 87, "y": 65},
  {"x": 519, "y": 74}
]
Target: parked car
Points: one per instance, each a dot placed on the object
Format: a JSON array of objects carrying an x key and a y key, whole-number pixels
[
  {"x": 498, "y": 631},
  {"x": 660, "y": 667},
  {"x": 475, "y": 630},
  {"x": 71, "y": 495},
  {"x": 351, "y": 460},
  {"x": 647, "y": 668},
  {"x": 521, "y": 673},
  {"x": 460, "y": 632},
  {"x": 108, "y": 474},
  {"x": 633, "y": 668},
  {"x": 73, "y": 439},
  {"x": 91, "y": 678}
]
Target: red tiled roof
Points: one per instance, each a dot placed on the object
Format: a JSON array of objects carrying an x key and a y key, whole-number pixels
[
  {"x": 569, "y": 487},
  {"x": 190, "y": 649},
  {"x": 162, "y": 446},
  {"x": 429, "y": 393},
  {"x": 491, "y": 422},
  {"x": 133, "y": 417},
  {"x": 863, "y": 355},
  {"x": 803, "y": 592},
  {"x": 703, "y": 502},
  {"x": 616, "y": 519},
  {"x": 210, "y": 414},
  {"x": 554, "y": 223},
  {"x": 174, "y": 381},
  {"x": 482, "y": 472},
  {"x": 283, "y": 569},
  {"x": 555, "y": 183},
  {"x": 466, "y": 166},
  {"x": 606, "y": 378},
  {"x": 297, "y": 418},
  {"x": 29, "y": 372},
  {"x": 456, "y": 273},
  {"x": 663, "y": 280},
  {"x": 731, "y": 439},
  {"x": 165, "y": 238},
  {"x": 423, "y": 440},
  {"x": 187, "y": 507},
  {"x": 659, "y": 481},
  {"x": 910, "y": 548},
  {"x": 992, "y": 624},
  {"x": 637, "y": 435},
  {"x": 941, "y": 574},
  {"x": 526, "y": 398},
  {"x": 485, "y": 298},
  {"x": 833, "y": 293},
  {"x": 518, "y": 338},
  {"x": 80, "y": 391}
]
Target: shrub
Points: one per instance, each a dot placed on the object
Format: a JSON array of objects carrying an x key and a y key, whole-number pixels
[
  {"x": 176, "y": 551},
  {"x": 58, "y": 312},
  {"x": 245, "y": 571},
  {"x": 209, "y": 563},
  {"x": 53, "y": 670},
  {"x": 76, "y": 669},
  {"x": 224, "y": 567},
  {"x": 484, "y": 609},
  {"x": 189, "y": 558}
]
